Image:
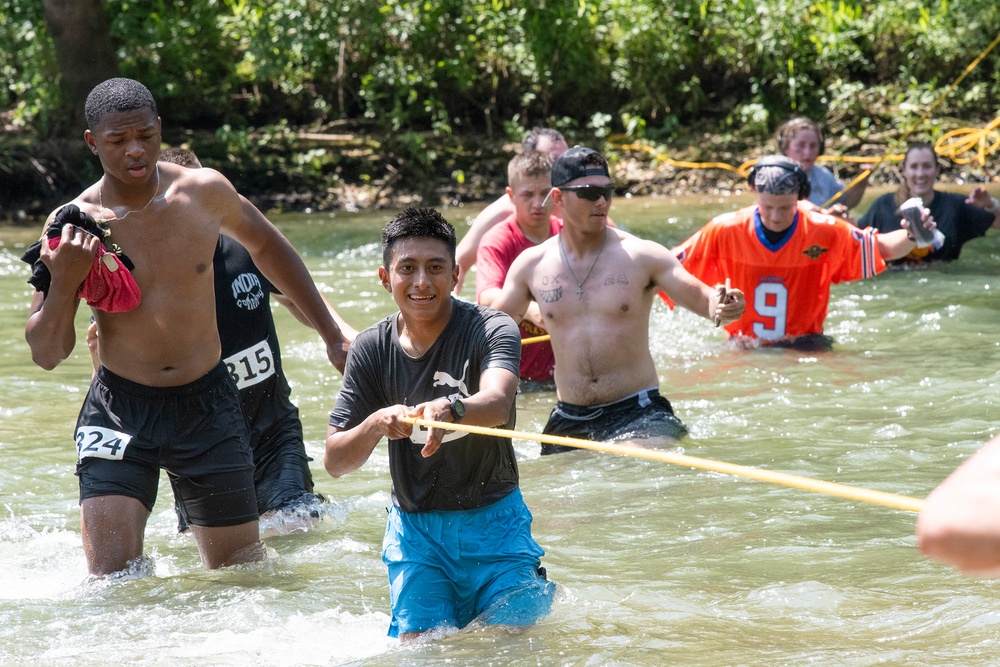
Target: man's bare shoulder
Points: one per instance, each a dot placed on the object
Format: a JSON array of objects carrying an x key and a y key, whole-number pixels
[
  {"x": 205, "y": 177},
  {"x": 88, "y": 201},
  {"x": 204, "y": 187},
  {"x": 637, "y": 246},
  {"x": 495, "y": 212},
  {"x": 537, "y": 252},
  {"x": 525, "y": 263},
  {"x": 647, "y": 258}
]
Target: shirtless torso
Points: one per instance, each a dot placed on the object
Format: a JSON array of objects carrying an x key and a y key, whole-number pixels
[
  {"x": 171, "y": 337},
  {"x": 596, "y": 308},
  {"x": 167, "y": 220}
]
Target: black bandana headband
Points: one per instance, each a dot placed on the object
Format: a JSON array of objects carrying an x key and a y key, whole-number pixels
[{"x": 773, "y": 180}]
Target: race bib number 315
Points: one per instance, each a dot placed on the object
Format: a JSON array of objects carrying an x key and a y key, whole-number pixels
[
  {"x": 252, "y": 365},
  {"x": 100, "y": 442}
]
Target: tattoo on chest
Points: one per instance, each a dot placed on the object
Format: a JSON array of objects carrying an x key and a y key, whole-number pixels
[
  {"x": 612, "y": 279},
  {"x": 551, "y": 289},
  {"x": 550, "y": 295},
  {"x": 551, "y": 280}
]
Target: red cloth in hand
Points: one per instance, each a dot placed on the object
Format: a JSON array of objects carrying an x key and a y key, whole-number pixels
[{"x": 112, "y": 290}]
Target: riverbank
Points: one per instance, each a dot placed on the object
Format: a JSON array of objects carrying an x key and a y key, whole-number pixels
[{"x": 321, "y": 171}]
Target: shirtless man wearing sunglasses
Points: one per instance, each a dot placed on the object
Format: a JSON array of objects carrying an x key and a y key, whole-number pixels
[{"x": 595, "y": 287}]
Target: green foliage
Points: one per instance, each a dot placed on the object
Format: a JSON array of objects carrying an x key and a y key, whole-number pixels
[
  {"x": 27, "y": 66},
  {"x": 646, "y": 68},
  {"x": 176, "y": 48},
  {"x": 258, "y": 160}
]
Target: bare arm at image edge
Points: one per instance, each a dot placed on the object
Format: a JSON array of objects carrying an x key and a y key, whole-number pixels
[{"x": 960, "y": 523}]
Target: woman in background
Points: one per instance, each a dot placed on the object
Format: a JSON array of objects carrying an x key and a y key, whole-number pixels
[
  {"x": 802, "y": 140},
  {"x": 959, "y": 218}
]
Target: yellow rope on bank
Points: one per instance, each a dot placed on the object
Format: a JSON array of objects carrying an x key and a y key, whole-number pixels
[
  {"x": 902, "y": 138},
  {"x": 980, "y": 142},
  {"x": 968, "y": 140},
  {"x": 743, "y": 170},
  {"x": 891, "y": 500}
]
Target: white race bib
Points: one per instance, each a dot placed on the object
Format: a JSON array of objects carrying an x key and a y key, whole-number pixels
[
  {"x": 100, "y": 442},
  {"x": 252, "y": 365}
]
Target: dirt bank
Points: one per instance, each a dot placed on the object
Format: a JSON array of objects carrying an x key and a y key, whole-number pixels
[{"x": 365, "y": 173}]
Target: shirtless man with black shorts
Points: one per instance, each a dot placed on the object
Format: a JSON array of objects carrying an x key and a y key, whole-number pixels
[
  {"x": 286, "y": 498},
  {"x": 162, "y": 397},
  {"x": 595, "y": 287}
]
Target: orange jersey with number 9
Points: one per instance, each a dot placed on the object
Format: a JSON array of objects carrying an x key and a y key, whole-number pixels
[{"x": 787, "y": 284}]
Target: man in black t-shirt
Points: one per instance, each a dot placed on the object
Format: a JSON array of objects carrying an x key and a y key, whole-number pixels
[{"x": 458, "y": 545}]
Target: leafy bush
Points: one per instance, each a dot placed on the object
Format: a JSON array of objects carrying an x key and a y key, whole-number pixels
[
  {"x": 641, "y": 67},
  {"x": 27, "y": 66}
]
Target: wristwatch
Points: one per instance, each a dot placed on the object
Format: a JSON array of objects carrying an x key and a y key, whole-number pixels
[{"x": 457, "y": 408}]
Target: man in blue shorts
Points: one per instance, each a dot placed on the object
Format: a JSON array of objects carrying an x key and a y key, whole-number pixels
[
  {"x": 162, "y": 398},
  {"x": 458, "y": 543}
]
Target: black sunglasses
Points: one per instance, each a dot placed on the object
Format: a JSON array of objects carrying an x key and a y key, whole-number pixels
[{"x": 591, "y": 192}]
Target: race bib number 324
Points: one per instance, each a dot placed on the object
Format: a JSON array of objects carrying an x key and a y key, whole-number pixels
[{"x": 100, "y": 442}]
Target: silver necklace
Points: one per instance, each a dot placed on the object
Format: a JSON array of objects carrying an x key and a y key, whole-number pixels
[
  {"x": 580, "y": 283},
  {"x": 100, "y": 197}
]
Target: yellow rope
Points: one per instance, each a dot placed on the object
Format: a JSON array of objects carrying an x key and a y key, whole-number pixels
[
  {"x": 971, "y": 66},
  {"x": 892, "y": 500},
  {"x": 535, "y": 339},
  {"x": 968, "y": 140}
]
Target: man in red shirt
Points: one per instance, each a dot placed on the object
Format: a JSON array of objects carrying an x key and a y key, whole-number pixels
[
  {"x": 542, "y": 139},
  {"x": 785, "y": 255},
  {"x": 529, "y": 182}
]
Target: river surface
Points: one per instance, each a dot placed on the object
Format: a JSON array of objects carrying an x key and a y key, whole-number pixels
[{"x": 655, "y": 564}]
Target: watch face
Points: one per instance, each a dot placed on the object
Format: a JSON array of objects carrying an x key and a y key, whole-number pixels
[{"x": 457, "y": 408}]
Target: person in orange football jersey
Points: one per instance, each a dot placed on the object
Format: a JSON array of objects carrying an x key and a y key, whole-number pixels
[{"x": 784, "y": 255}]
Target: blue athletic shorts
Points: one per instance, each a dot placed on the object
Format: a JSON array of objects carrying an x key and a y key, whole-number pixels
[
  {"x": 644, "y": 414},
  {"x": 447, "y": 568},
  {"x": 127, "y": 432}
]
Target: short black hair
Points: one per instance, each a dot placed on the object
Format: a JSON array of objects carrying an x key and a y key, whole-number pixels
[
  {"x": 530, "y": 140},
  {"x": 114, "y": 95},
  {"x": 419, "y": 223}
]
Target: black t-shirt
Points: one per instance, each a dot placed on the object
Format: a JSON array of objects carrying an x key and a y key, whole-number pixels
[
  {"x": 250, "y": 342},
  {"x": 958, "y": 221},
  {"x": 469, "y": 470}
]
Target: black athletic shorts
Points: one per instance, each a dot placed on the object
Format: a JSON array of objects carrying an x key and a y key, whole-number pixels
[
  {"x": 282, "y": 478},
  {"x": 644, "y": 414},
  {"x": 196, "y": 432}
]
